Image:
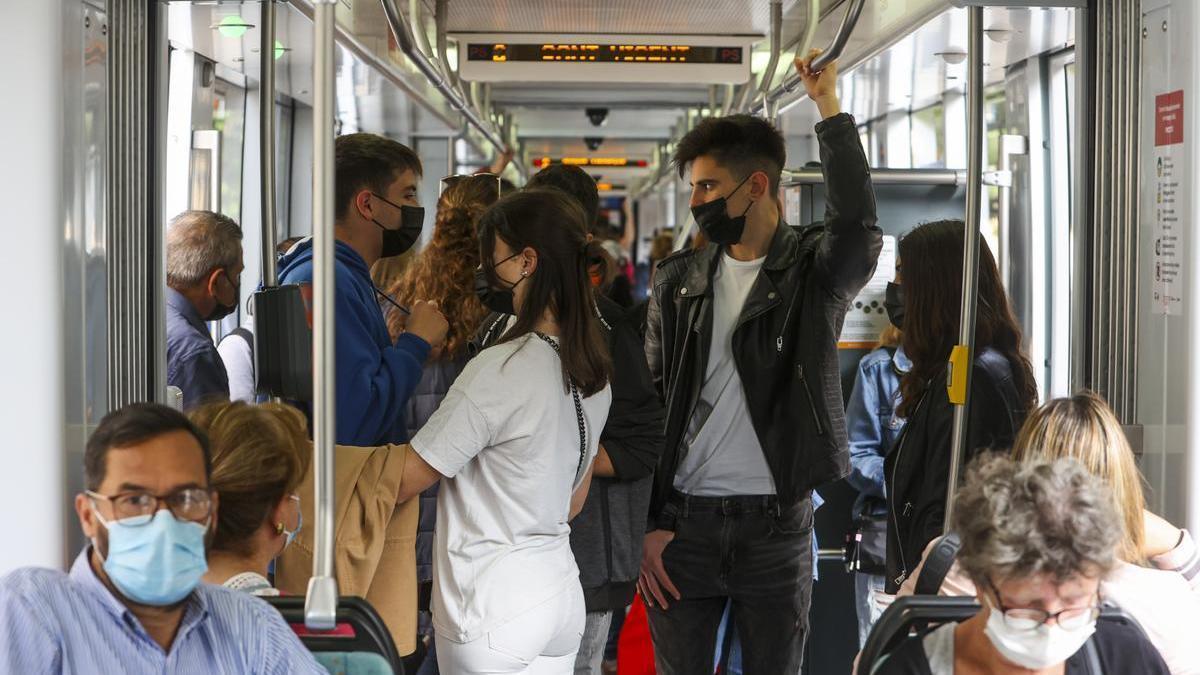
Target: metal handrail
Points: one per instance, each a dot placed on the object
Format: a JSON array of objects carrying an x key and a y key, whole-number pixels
[
  {"x": 266, "y": 141},
  {"x": 383, "y": 66},
  {"x": 320, "y": 607},
  {"x": 883, "y": 177},
  {"x": 961, "y": 359},
  {"x": 768, "y": 76},
  {"x": 405, "y": 40},
  {"x": 828, "y": 56}
]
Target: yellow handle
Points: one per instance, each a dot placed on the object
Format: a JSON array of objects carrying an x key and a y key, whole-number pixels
[{"x": 956, "y": 382}]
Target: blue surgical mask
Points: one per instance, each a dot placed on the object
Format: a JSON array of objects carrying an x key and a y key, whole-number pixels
[{"x": 157, "y": 563}]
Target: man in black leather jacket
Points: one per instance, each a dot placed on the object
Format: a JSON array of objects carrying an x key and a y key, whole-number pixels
[{"x": 742, "y": 342}]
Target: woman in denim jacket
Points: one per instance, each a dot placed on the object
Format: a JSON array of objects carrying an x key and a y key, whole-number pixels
[{"x": 872, "y": 427}]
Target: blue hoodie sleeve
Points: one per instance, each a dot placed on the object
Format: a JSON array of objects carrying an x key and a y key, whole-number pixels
[
  {"x": 374, "y": 382},
  {"x": 865, "y": 432}
]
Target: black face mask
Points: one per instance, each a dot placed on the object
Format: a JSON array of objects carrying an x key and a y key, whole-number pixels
[
  {"x": 714, "y": 219},
  {"x": 495, "y": 299},
  {"x": 221, "y": 310},
  {"x": 893, "y": 303},
  {"x": 399, "y": 240}
]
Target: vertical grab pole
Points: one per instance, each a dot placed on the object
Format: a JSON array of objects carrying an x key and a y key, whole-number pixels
[
  {"x": 958, "y": 381},
  {"x": 266, "y": 141},
  {"x": 320, "y": 607}
]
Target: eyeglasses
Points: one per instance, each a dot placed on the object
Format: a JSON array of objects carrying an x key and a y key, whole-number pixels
[
  {"x": 138, "y": 508},
  {"x": 447, "y": 181},
  {"x": 1028, "y": 618}
]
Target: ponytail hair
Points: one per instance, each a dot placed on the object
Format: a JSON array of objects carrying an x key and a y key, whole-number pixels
[{"x": 552, "y": 224}]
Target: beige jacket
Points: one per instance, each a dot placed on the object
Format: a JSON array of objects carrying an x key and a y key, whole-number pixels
[{"x": 375, "y": 555}]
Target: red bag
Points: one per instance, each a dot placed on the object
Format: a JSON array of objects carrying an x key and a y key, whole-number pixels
[{"x": 635, "y": 651}]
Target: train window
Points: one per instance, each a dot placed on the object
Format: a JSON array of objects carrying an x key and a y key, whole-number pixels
[
  {"x": 929, "y": 137},
  {"x": 994, "y": 106}
]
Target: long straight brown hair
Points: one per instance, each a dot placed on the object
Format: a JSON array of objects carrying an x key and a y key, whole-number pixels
[
  {"x": 932, "y": 272},
  {"x": 552, "y": 224}
]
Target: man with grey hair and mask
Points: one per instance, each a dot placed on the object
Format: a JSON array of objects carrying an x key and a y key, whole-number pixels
[{"x": 204, "y": 269}]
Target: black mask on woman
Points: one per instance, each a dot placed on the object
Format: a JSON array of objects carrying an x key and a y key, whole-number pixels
[
  {"x": 714, "y": 219},
  {"x": 893, "y": 303},
  {"x": 495, "y": 299}
]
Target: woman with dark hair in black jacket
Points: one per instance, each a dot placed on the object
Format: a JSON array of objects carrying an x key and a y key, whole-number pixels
[{"x": 1002, "y": 386}]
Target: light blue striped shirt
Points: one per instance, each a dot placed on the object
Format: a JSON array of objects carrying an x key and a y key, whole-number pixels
[{"x": 52, "y": 622}]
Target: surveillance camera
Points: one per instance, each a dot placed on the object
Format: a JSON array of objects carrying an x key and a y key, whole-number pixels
[
  {"x": 593, "y": 142},
  {"x": 597, "y": 116}
]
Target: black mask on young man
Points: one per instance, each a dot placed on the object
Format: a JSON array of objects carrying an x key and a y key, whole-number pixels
[
  {"x": 714, "y": 219},
  {"x": 397, "y": 241}
]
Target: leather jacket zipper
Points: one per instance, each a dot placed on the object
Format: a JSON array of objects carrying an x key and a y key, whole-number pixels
[
  {"x": 812, "y": 404},
  {"x": 907, "y": 505}
]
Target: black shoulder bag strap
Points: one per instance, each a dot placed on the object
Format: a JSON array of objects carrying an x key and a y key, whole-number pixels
[{"x": 937, "y": 564}]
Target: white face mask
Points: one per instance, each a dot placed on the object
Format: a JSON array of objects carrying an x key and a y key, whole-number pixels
[{"x": 1045, "y": 646}]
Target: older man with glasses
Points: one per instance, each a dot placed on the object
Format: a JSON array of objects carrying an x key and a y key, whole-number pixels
[{"x": 133, "y": 601}]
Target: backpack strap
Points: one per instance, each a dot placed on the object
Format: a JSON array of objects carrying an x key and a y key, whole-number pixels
[{"x": 937, "y": 564}]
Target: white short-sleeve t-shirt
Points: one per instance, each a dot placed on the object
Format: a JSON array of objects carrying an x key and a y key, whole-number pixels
[{"x": 506, "y": 437}]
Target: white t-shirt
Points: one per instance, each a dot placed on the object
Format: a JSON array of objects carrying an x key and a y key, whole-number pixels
[
  {"x": 724, "y": 457},
  {"x": 507, "y": 439}
]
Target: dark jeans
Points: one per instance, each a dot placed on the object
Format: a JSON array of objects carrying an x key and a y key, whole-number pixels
[{"x": 743, "y": 550}]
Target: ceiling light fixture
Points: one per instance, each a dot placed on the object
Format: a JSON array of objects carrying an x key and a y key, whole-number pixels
[
  {"x": 232, "y": 26},
  {"x": 953, "y": 55}
]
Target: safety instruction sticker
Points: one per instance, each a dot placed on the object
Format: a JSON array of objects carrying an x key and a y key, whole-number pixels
[
  {"x": 1168, "y": 162},
  {"x": 866, "y": 318}
]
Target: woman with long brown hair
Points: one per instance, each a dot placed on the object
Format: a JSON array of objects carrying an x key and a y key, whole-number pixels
[
  {"x": 513, "y": 444},
  {"x": 929, "y": 276}
]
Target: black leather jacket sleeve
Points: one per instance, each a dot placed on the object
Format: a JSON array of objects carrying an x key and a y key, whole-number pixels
[
  {"x": 848, "y": 251},
  {"x": 653, "y": 345}
]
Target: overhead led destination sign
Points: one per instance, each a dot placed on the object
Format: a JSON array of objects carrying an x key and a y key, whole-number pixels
[
  {"x": 597, "y": 53},
  {"x": 542, "y": 162},
  {"x": 576, "y": 58}
]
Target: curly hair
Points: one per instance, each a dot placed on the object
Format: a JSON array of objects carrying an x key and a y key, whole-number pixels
[
  {"x": 445, "y": 270},
  {"x": 1018, "y": 520}
]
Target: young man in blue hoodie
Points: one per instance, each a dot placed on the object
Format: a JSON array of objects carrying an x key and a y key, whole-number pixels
[{"x": 378, "y": 216}]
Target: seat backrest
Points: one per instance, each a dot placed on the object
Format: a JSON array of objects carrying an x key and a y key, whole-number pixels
[
  {"x": 283, "y": 343},
  {"x": 917, "y": 614},
  {"x": 908, "y": 614},
  {"x": 353, "y": 663},
  {"x": 359, "y": 629}
]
